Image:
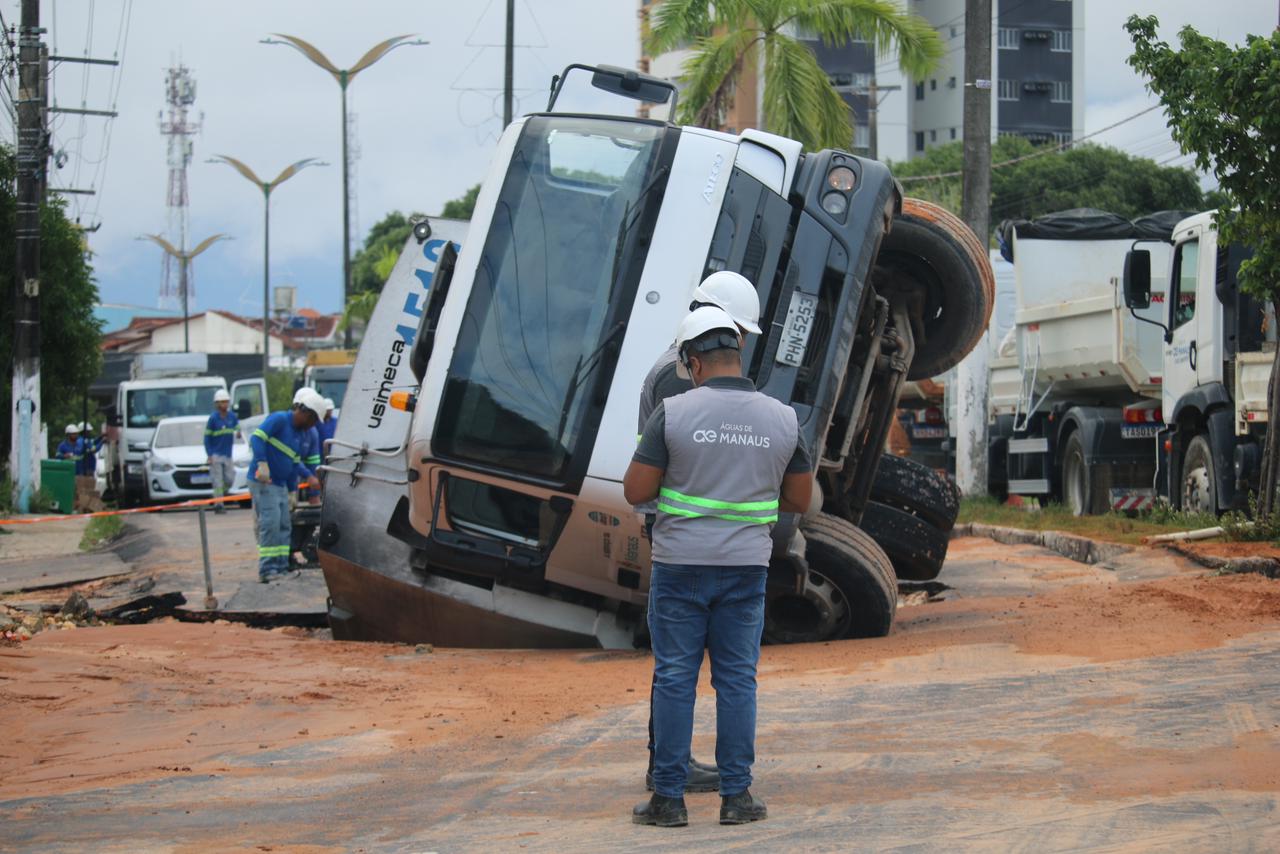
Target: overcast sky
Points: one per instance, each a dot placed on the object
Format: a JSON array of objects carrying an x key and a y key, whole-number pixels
[{"x": 427, "y": 117}]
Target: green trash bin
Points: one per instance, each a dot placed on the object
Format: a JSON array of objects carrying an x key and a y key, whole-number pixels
[{"x": 58, "y": 481}]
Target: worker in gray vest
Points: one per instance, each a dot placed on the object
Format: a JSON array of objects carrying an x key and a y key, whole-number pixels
[
  {"x": 722, "y": 461},
  {"x": 734, "y": 293}
]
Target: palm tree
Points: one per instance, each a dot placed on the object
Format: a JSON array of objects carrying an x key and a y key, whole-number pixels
[{"x": 799, "y": 100}]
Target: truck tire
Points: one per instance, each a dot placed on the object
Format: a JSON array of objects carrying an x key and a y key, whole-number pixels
[
  {"x": 936, "y": 264},
  {"x": 1198, "y": 489},
  {"x": 852, "y": 591},
  {"x": 912, "y": 486},
  {"x": 1077, "y": 482},
  {"x": 916, "y": 548}
]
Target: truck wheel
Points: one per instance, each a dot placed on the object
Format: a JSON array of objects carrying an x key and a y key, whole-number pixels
[
  {"x": 916, "y": 548},
  {"x": 1199, "y": 491},
  {"x": 912, "y": 486},
  {"x": 852, "y": 591},
  {"x": 936, "y": 264},
  {"x": 1077, "y": 486}
]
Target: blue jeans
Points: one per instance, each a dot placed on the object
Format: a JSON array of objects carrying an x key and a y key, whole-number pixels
[
  {"x": 271, "y": 503},
  {"x": 720, "y": 609}
]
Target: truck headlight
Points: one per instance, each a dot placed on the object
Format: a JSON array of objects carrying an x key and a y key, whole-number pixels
[
  {"x": 841, "y": 178},
  {"x": 138, "y": 446},
  {"x": 133, "y": 468}
]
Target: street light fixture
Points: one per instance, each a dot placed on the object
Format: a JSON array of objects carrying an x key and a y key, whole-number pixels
[
  {"x": 266, "y": 187},
  {"x": 184, "y": 261},
  {"x": 344, "y": 76}
]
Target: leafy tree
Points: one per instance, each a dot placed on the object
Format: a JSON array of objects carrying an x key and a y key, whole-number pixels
[
  {"x": 799, "y": 99},
  {"x": 70, "y": 336},
  {"x": 1085, "y": 176},
  {"x": 386, "y": 236},
  {"x": 1223, "y": 106},
  {"x": 461, "y": 207}
]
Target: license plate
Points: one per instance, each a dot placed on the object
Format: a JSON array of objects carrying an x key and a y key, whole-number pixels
[
  {"x": 1139, "y": 431},
  {"x": 928, "y": 432},
  {"x": 795, "y": 332},
  {"x": 201, "y": 478}
]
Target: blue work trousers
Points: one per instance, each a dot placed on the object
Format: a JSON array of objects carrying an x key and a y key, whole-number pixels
[
  {"x": 271, "y": 504},
  {"x": 720, "y": 609}
]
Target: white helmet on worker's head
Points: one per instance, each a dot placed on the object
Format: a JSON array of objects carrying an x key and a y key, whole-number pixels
[
  {"x": 221, "y": 395},
  {"x": 73, "y": 428},
  {"x": 734, "y": 293},
  {"x": 328, "y": 403},
  {"x": 694, "y": 339},
  {"x": 309, "y": 398},
  {"x": 86, "y": 426}
]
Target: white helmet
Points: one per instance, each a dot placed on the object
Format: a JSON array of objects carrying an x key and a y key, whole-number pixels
[
  {"x": 73, "y": 428},
  {"x": 309, "y": 398},
  {"x": 735, "y": 294},
  {"x": 328, "y": 403},
  {"x": 699, "y": 322},
  {"x": 86, "y": 427},
  {"x": 220, "y": 395}
]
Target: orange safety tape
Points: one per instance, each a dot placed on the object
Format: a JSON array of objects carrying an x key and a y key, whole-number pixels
[{"x": 195, "y": 502}]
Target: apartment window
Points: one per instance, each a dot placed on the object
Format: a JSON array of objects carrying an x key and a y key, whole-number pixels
[
  {"x": 933, "y": 85},
  {"x": 1007, "y": 38},
  {"x": 955, "y": 31},
  {"x": 919, "y": 91},
  {"x": 1062, "y": 137},
  {"x": 1061, "y": 92},
  {"x": 919, "y": 140},
  {"x": 1060, "y": 41},
  {"x": 953, "y": 133},
  {"x": 951, "y": 83},
  {"x": 862, "y": 137},
  {"x": 1007, "y": 90},
  {"x": 933, "y": 136}
]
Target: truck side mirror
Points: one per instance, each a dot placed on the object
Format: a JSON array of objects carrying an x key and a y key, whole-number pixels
[
  {"x": 1137, "y": 278},
  {"x": 244, "y": 409}
]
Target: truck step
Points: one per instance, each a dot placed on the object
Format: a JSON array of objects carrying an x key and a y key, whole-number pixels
[
  {"x": 1037, "y": 445},
  {"x": 1033, "y": 486}
]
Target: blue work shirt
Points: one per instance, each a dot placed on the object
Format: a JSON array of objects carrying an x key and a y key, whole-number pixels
[
  {"x": 87, "y": 463},
  {"x": 279, "y": 444},
  {"x": 310, "y": 452},
  {"x": 69, "y": 451},
  {"x": 220, "y": 434},
  {"x": 327, "y": 430}
]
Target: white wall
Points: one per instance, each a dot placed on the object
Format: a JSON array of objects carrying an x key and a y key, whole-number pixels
[{"x": 211, "y": 333}]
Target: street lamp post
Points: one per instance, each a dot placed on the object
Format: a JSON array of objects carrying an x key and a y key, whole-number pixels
[
  {"x": 184, "y": 262},
  {"x": 344, "y": 76},
  {"x": 266, "y": 187}
]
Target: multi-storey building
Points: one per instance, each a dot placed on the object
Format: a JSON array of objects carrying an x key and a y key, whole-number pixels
[{"x": 1037, "y": 74}]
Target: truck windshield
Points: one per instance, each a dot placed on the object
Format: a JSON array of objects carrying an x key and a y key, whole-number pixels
[
  {"x": 333, "y": 389},
  {"x": 538, "y": 316},
  {"x": 147, "y": 406}
]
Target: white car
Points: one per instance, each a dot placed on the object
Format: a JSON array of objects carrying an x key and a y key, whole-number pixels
[{"x": 177, "y": 467}]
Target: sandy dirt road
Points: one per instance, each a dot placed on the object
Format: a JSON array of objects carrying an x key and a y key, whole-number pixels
[{"x": 1045, "y": 706}]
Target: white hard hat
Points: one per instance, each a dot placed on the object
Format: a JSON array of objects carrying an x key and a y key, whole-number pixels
[
  {"x": 73, "y": 428},
  {"x": 328, "y": 403},
  {"x": 86, "y": 426},
  {"x": 309, "y": 398},
  {"x": 699, "y": 322},
  {"x": 735, "y": 294},
  {"x": 221, "y": 395}
]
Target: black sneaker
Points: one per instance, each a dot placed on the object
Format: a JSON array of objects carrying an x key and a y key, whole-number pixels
[
  {"x": 742, "y": 808},
  {"x": 661, "y": 811},
  {"x": 702, "y": 778}
]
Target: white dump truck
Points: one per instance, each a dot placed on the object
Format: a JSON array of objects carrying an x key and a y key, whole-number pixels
[
  {"x": 1219, "y": 348},
  {"x": 473, "y": 491}
]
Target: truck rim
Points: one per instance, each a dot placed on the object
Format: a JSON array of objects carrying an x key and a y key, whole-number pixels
[
  {"x": 1195, "y": 490},
  {"x": 1074, "y": 482},
  {"x": 819, "y": 612}
]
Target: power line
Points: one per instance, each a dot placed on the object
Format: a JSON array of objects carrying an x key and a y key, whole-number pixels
[{"x": 1038, "y": 153}]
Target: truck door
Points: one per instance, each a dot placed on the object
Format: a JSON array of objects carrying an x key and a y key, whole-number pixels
[
  {"x": 1208, "y": 312},
  {"x": 1181, "y": 358},
  {"x": 253, "y": 392}
]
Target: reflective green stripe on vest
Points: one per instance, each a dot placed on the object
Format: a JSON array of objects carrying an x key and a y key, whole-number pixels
[
  {"x": 732, "y": 517},
  {"x": 313, "y": 460},
  {"x": 224, "y": 431},
  {"x": 278, "y": 445},
  {"x": 744, "y": 506},
  {"x": 273, "y": 551}
]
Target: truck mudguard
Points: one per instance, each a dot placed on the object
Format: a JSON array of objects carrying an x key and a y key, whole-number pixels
[
  {"x": 1212, "y": 406},
  {"x": 1100, "y": 436}
]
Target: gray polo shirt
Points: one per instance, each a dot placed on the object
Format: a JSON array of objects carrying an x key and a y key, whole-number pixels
[
  {"x": 724, "y": 449},
  {"x": 660, "y": 383}
]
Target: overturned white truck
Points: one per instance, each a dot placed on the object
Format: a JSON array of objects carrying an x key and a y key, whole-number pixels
[{"x": 473, "y": 492}]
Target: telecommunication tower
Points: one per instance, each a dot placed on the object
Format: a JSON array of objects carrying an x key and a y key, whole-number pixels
[{"x": 179, "y": 127}]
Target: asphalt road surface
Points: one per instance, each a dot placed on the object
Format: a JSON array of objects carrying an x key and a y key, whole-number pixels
[{"x": 1042, "y": 705}]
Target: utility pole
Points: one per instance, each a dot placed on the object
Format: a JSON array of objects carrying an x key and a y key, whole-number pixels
[
  {"x": 972, "y": 373},
  {"x": 508, "y": 76},
  {"x": 33, "y": 153},
  {"x": 874, "y": 99}
]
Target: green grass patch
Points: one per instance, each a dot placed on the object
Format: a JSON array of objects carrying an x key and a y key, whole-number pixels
[
  {"x": 40, "y": 504},
  {"x": 100, "y": 531},
  {"x": 1111, "y": 527}
]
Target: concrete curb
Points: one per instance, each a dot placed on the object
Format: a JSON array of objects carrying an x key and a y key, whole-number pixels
[
  {"x": 1259, "y": 565},
  {"x": 1079, "y": 549}
]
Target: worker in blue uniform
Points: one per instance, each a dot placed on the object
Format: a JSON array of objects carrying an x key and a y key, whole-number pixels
[{"x": 276, "y": 467}]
